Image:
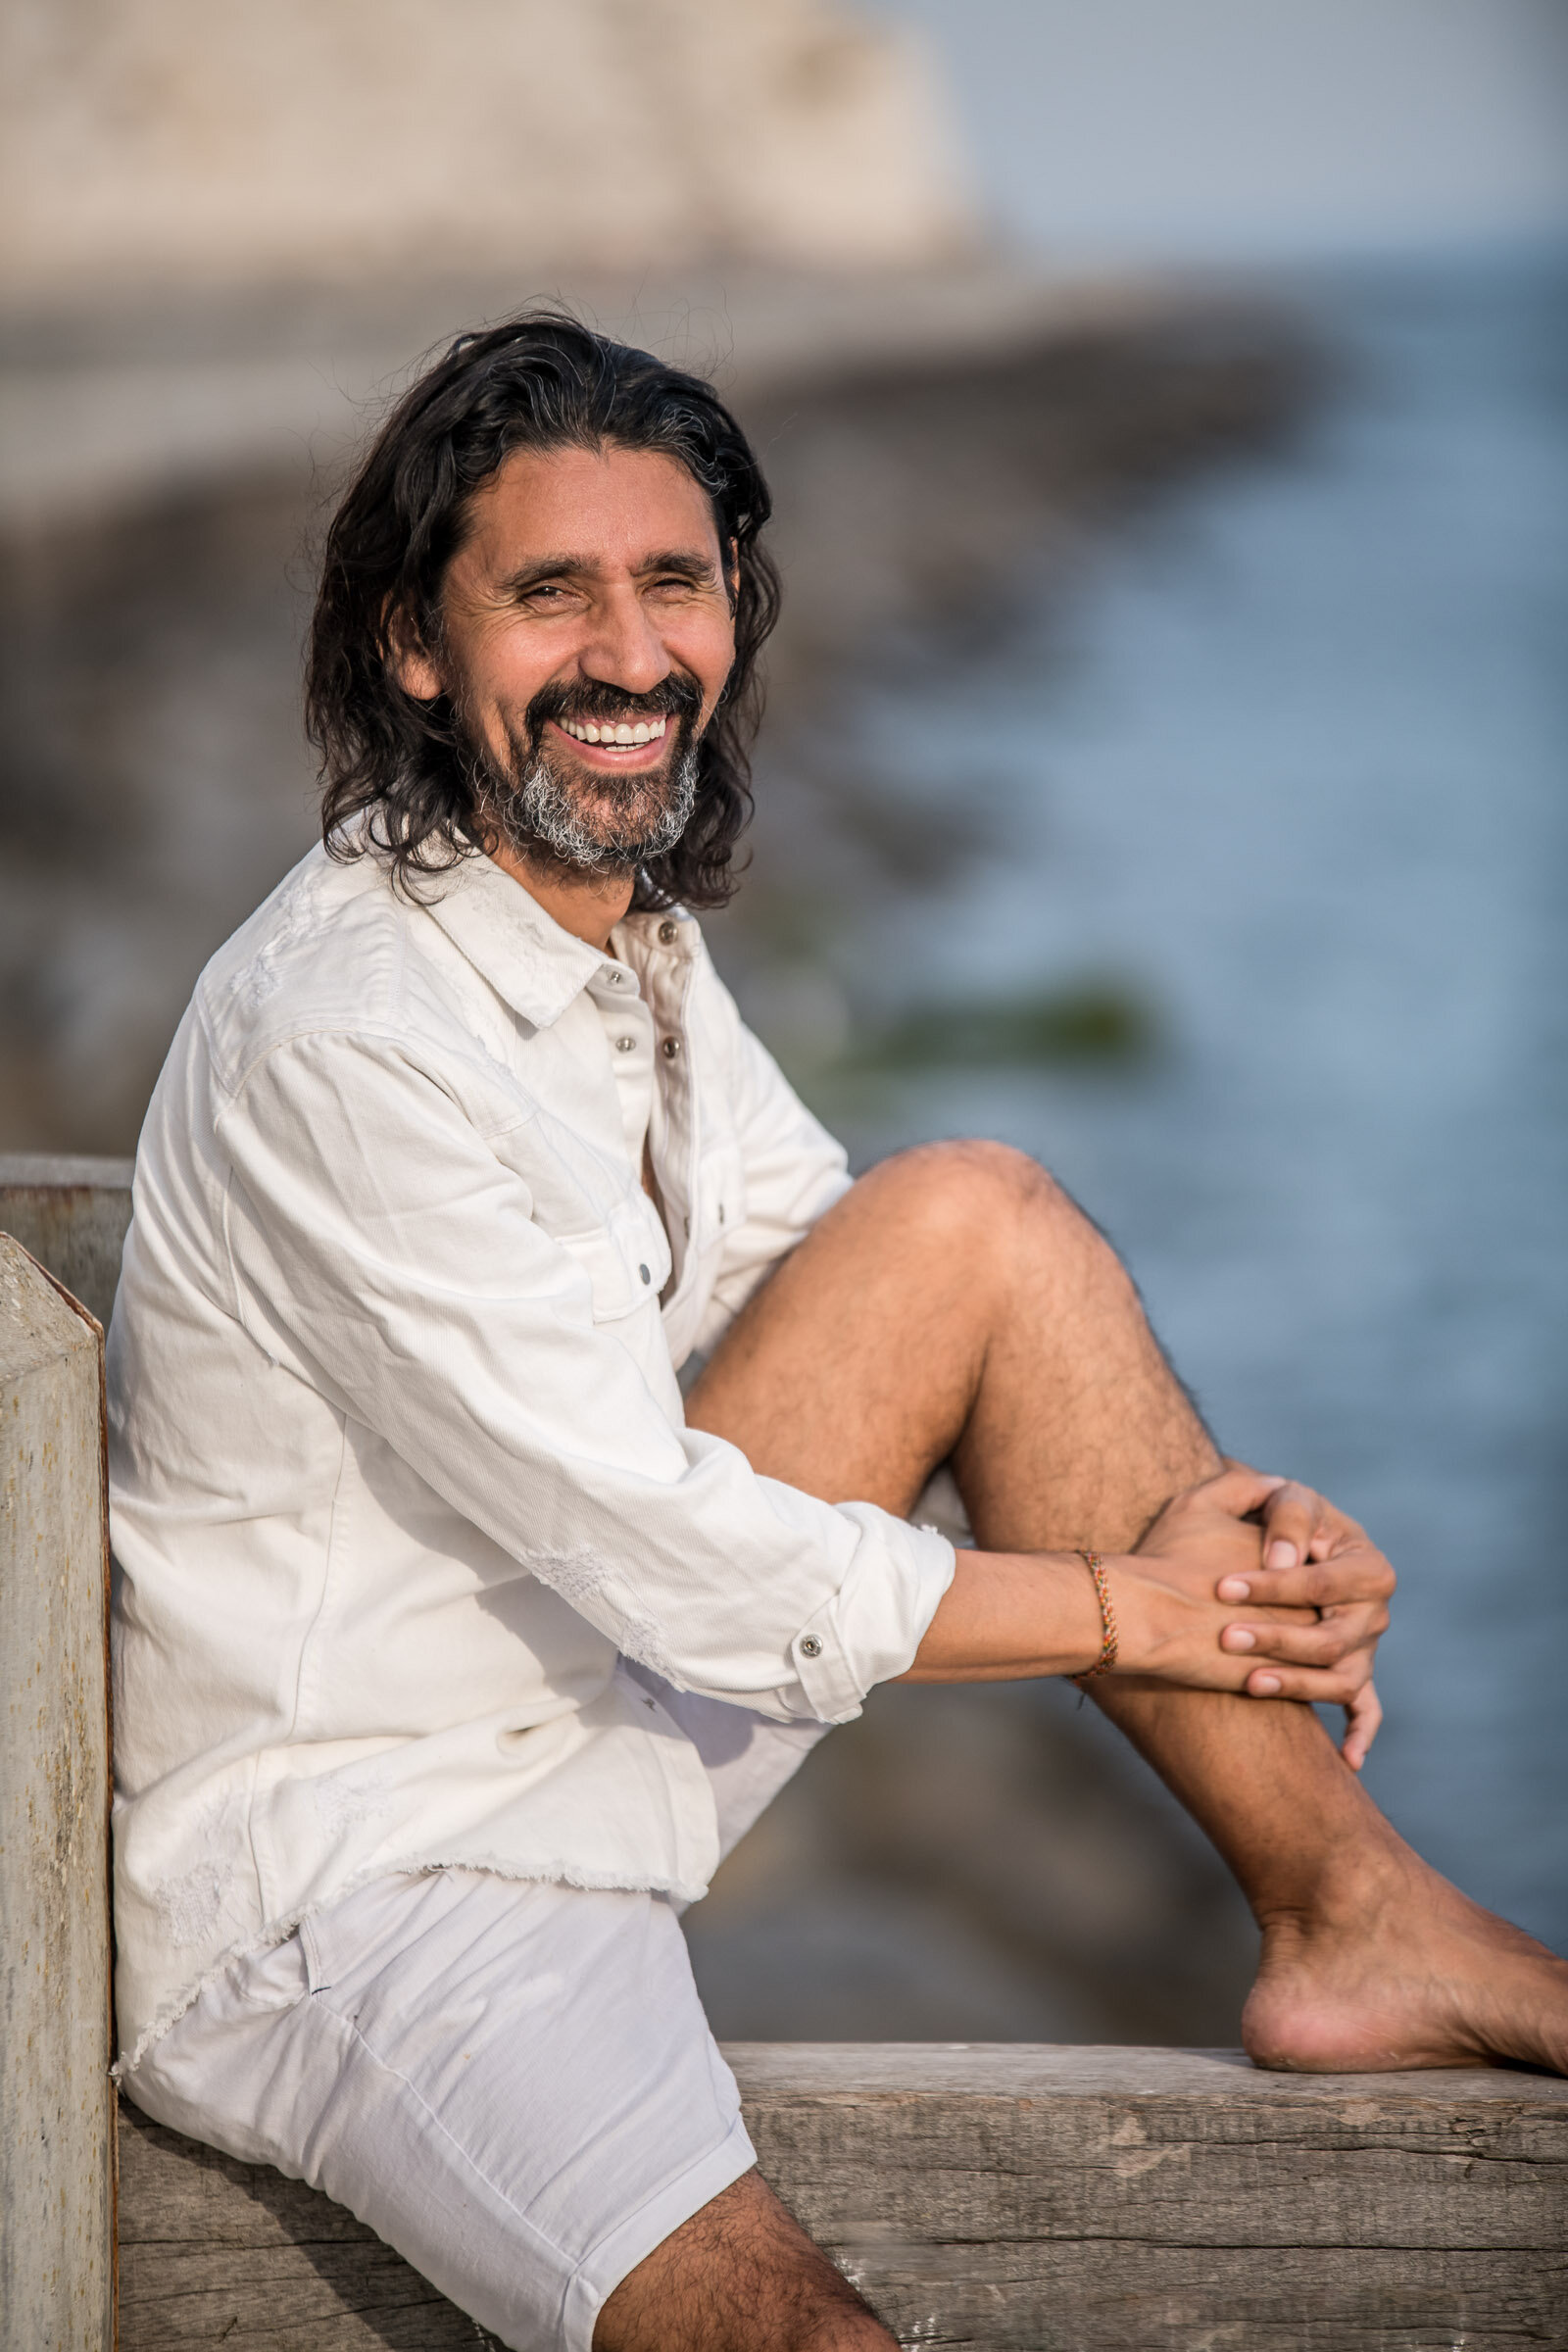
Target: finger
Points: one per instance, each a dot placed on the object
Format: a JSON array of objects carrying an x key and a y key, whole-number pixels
[
  {"x": 1292, "y": 1518},
  {"x": 1335, "y": 1522},
  {"x": 1360, "y": 1574},
  {"x": 1326, "y": 1686},
  {"x": 1322, "y": 1642},
  {"x": 1237, "y": 1489},
  {"x": 1336, "y": 1528},
  {"x": 1261, "y": 1624},
  {"x": 1363, "y": 1719}
]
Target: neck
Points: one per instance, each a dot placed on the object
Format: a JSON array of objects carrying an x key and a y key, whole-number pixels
[{"x": 588, "y": 905}]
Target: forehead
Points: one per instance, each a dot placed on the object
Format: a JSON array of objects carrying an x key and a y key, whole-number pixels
[{"x": 610, "y": 507}]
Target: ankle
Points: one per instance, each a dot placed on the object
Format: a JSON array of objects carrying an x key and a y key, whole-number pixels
[{"x": 1344, "y": 1889}]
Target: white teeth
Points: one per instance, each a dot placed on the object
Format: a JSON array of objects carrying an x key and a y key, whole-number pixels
[{"x": 645, "y": 731}]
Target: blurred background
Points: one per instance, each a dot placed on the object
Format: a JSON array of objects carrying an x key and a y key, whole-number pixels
[{"x": 1167, "y": 767}]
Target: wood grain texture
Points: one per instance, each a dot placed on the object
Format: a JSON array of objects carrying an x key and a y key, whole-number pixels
[
  {"x": 1017, "y": 2198},
  {"x": 55, "y": 2107},
  {"x": 72, "y": 1216},
  {"x": 213, "y": 2252}
]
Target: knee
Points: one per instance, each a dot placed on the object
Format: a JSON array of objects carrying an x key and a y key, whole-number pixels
[{"x": 964, "y": 1194}]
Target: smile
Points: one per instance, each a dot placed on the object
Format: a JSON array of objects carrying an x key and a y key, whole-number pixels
[{"x": 643, "y": 731}]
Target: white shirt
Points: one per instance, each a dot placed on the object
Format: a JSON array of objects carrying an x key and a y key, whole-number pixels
[{"x": 397, "y": 1454}]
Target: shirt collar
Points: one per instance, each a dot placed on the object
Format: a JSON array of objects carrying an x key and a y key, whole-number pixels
[{"x": 533, "y": 964}]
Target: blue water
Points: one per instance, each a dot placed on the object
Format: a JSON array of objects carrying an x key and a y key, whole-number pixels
[{"x": 1298, "y": 770}]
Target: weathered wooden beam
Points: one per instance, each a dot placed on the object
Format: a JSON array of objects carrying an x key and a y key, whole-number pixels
[
  {"x": 56, "y": 2133},
  {"x": 1013, "y": 2197},
  {"x": 72, "y": 1216}
]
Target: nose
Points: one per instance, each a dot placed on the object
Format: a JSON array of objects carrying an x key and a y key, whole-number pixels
[{"x": 623, "y": 647}]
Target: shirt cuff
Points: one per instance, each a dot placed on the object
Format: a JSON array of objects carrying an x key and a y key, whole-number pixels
[{"x": 871, "y": 1630}]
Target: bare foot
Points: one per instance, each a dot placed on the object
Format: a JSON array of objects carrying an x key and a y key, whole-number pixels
[{"x": 1399, "y": 1969}]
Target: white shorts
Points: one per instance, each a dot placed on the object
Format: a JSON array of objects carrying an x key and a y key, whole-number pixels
[{"x": 512, "y": 2083}]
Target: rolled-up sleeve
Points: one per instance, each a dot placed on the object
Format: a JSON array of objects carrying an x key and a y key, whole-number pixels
[{"x": 386, "y": 1247}]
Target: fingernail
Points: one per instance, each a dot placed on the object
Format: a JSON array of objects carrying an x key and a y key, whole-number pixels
[
  {"x": 1280, "y": 1555},
  {"x": 1234, "y": 1588},
  {"x": 1237, "y": 1637},
  {"x": 1264, "y": 1684}
]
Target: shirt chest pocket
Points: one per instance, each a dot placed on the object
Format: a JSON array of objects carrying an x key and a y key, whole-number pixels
[{"x": 626, "y": 1260}]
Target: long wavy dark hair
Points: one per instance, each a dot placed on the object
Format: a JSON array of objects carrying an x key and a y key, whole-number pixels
[{"x": 541, "y": 381}]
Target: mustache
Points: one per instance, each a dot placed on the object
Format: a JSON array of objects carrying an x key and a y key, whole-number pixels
[{"x": 592, "y": 703}]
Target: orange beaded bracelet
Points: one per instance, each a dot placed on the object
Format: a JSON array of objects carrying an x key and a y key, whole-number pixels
[{"x": 1107, "y": 1619}]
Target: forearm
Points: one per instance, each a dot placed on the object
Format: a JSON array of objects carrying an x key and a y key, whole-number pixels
[{"x": 1009, "y": 1616}]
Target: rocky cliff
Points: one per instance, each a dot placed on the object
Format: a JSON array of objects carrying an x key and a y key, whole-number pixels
[{"x": 321, "y": 139}]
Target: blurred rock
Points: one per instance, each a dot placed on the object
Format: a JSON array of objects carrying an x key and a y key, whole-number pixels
[
  {"x": 980, "y": 1864},
  {"x": 314, "y": 140}
]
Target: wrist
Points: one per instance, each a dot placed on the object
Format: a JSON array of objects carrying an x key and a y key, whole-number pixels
[
  {"x": 1153, "y": 1617},
  {"x": 1109, "y": 1649},
  {"x": 1011, "y": 1616}
]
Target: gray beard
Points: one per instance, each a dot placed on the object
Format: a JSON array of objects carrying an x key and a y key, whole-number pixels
[{"x": 544, "y": 812}]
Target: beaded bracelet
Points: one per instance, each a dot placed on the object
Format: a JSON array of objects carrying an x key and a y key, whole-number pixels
[{"x": 1107, "y": 1619}]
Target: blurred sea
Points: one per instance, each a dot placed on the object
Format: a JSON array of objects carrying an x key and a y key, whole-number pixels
[{"x": 1291, "y": 769}]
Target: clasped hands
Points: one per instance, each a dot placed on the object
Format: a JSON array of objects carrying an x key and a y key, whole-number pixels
[
  {"x": 1255, "y": 1584},
  {"x": 1244, "y": 1583}
]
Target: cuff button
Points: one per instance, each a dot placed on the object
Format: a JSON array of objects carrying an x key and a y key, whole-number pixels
[{"x": 811, "y": 1646}]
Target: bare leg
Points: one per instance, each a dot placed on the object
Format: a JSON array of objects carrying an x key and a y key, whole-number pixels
[
  {"x": 957, "y": 1305},
  {"x": 741, "y": 2276}
]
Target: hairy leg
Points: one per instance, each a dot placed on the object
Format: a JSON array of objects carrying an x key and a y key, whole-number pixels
[
  {"x": 741, "y": 2276},
  {"x": 957, "y": 1305}
]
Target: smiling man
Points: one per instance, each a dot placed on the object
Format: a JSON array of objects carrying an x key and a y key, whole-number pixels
[{"x": 454, "y": 1646}]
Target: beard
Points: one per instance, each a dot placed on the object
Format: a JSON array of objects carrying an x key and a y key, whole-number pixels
[{"x": 551, "y": 808}]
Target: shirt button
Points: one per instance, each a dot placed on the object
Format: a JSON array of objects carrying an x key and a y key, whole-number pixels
[
  {"x": 642, "y": 1271},
  {"x": 670, "y": 1048},
  {"x": 811, "y": 1646},
  {"x": 669, "y": 931},
  {"x": 626, "y": 1044}
]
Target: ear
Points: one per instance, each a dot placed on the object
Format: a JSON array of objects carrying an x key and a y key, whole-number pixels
[
  {"x": 411, "y": 664},
  {"x": 732, "y": 573}
]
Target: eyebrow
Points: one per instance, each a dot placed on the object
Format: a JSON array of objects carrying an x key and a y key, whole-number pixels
[{"x": 699, "y": 569}]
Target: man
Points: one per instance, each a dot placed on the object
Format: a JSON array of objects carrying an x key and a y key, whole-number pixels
[{"x": 453, "y": 1651}]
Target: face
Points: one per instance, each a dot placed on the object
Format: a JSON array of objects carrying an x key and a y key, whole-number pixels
[{"x": 587, "y": 634}]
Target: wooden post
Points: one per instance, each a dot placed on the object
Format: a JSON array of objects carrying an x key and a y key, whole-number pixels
[
  {"x": 57, "y": 2114},
  {"x": 72, "y": 1216}
]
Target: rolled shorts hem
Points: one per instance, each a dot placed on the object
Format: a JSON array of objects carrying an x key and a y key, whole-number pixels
[{"x": 632, "y": 2240}]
